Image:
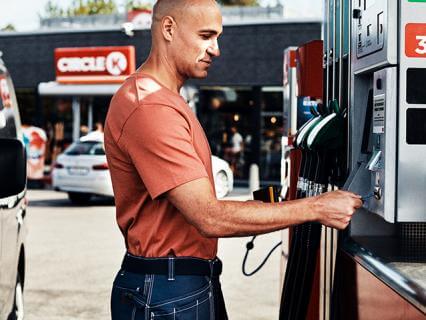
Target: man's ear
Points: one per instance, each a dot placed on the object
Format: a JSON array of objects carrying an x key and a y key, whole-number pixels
[{"x": 168, "y": 26}]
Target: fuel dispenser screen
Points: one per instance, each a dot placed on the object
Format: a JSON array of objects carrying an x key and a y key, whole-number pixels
[
  {"x": 416, "y": 126},
  {"x": 416, "y": 93}
]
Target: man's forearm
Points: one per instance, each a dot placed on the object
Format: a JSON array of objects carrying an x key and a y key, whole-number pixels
[
  {"x": 235, "y": 218},
  {"x": 214, "y": 218}
]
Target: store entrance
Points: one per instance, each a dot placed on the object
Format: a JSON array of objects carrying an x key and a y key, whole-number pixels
[
  {"x": 244, "y": 127},
  {"x": 226, "y": 115}
]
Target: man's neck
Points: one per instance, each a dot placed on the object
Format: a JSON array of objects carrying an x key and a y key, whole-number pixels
[{"x": 160, "y": 69}]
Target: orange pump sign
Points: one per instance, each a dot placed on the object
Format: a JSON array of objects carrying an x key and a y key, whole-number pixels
[{"x": 415, "y": 40}]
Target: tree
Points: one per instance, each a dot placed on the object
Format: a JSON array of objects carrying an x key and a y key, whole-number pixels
[
  {"x": 239, "y": 2},
  {"x": 138, "y": 4},
  {"x": 80, "y": 8},
  {"x": 91, "y": 7},
  {"x": 52, "y": 10},
  {"x": 8, "y": 27}
]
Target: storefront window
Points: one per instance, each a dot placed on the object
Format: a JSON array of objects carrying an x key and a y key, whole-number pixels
[
  {"x": 271, "y": 133},
  {"x": 226, "y": 116},
  {"x": 58, "y": 121}
]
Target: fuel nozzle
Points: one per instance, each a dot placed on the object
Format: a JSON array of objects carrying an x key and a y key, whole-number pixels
[{"x": 377, "y": 192}]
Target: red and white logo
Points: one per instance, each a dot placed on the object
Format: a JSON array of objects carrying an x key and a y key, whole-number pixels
[
  {"x": 94, "y": 65},
  {"x": 116, "y": 63},
  {"x": 415, "y": 40}
]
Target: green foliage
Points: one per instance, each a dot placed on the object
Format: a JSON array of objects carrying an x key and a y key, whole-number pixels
[
  {"x": 138, "y": 4},
  {"x": 8, "y": 27},
  {"x": 239, "y": 2},
  {"x": 80, "y": 8},
  {"x": 52, "y": 10}
]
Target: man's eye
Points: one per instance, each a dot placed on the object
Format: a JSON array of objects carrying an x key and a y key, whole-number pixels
[{"x": 205, "y": 37}]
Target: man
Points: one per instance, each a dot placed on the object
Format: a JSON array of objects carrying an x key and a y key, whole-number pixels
[
  {"x": 95, "y": 135},
  {"x": 160, "y": 165},
  {"x": 234, "y": 151}
]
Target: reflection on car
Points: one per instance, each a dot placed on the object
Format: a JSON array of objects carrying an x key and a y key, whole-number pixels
[
  {"x": 13, "y": 203},
  {"x": 82, "y": 171}
]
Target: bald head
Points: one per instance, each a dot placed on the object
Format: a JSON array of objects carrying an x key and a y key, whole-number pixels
[
  {"x": 179, "y": 9},
  {"x": 185, "y": 36}
]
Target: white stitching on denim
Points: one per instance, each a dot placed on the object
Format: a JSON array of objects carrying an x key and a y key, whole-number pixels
[
  {"x": 211, "y": 298},
  {"x": 134, "y": 313},
  {"x": 145, "y": 286},
  {"x": 196, "y": 314},
  {"x": 182, "y": 310},
  {"x": 149, "y": 295},
  {"x": 146, "y": 311},
  {"x": 173, "y": 301},
  {"x": 151, "y": 288}
]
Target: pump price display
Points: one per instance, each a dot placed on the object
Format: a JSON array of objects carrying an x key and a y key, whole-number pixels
[{"x": 415, "y": 40}]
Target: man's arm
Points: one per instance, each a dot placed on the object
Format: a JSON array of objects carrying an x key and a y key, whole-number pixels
[{"x": 214, "y": 218}]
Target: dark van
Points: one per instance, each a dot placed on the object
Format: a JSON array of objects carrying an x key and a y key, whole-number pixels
[{"x": 12, "y": 202}]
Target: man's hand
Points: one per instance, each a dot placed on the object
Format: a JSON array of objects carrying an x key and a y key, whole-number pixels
[{"x": 335, "y": 209}]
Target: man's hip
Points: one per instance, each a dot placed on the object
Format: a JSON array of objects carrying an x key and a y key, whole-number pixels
[{"x": 168, "y": 288}]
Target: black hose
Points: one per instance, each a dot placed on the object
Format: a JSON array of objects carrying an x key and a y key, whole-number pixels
[{"x": 250, "y": 246}]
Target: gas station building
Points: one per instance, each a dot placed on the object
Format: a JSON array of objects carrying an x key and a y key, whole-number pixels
[{"x": 243, "y": 88}]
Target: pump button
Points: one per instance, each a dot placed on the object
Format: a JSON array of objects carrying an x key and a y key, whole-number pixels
[
  {"x": 377, "y": 192},
  {"x": 357, "y": 13},
  {"x": 379, "y": 84}
]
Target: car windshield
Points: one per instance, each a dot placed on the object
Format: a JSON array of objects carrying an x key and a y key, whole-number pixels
[{"x": 85, "y": 148}]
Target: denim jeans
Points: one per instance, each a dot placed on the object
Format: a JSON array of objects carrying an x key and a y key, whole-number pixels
[{"x": 155, "y": 297}]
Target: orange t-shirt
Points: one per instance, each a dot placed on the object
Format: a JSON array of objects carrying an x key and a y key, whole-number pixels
[{"x": 153, "y": 144}]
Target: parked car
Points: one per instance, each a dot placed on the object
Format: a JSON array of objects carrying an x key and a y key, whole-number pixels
[
  {"x": 12, "y": 202},
  {"x": 223, "y": 177},
  {"x": 82, "y": 171}
]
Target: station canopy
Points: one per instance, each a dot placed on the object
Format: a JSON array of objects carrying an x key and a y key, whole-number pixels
[{"x": 54, "y": 88}]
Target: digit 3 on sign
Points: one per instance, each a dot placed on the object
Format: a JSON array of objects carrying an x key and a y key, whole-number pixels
[{"x": 421, "y": 49}]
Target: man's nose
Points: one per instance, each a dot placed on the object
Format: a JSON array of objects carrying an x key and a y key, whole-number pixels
[{"x": 213, "y": 49}]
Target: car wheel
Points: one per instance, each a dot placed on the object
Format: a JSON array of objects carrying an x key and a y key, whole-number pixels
[
  {"x": 79, "y": 198},
  {"x": 17, "y": 312},
  {"x": 222, "y": 184}
]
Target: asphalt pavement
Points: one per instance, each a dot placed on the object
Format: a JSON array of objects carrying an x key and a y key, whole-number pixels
[{"x": 73, "y": 253}]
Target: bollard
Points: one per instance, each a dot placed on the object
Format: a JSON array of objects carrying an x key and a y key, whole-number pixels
[{"x": 254, "y": 178}]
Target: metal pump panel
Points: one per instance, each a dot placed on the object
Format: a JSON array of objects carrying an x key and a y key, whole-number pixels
[{"x": 388, "y": 108}]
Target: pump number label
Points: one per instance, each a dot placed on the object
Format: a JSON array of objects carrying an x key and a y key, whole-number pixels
[
  {"x": 415, "y": 40},
  {"x": 379, "y": 114}
]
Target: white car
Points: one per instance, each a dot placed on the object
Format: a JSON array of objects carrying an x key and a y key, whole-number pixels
[
  {"x": 223, "y": 177},
  {"x": 13, "y": 203},
  {"x": 82, "y": 171}
]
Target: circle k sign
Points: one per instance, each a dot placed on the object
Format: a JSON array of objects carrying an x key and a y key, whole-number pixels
[
  {"x": 116, "y": 63},
  {"x": 94, "y": 64}
]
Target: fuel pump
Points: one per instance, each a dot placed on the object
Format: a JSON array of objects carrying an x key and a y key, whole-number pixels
[
  {"x": 388, "y": 129},
  {"x": 369, "y": 138},
  {"x": 321, "y": 141},
  {"x": 303, "y": 244}
]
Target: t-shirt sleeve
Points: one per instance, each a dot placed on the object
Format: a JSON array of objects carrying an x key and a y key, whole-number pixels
[{"x": 159, "y": 142}]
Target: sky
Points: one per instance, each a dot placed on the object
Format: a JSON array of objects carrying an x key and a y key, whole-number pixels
[{"x": 24, "y": 14}]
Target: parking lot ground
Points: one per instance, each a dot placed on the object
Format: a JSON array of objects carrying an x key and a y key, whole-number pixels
[{"x": 73, "y": 253}]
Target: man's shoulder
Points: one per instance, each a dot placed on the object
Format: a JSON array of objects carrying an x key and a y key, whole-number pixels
[
  {"x": 150, "y": 92},
  {"x": 145, "y": 99}
]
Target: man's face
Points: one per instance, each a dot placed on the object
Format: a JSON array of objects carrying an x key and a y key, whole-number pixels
[{"x": 196, "y": 40}]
